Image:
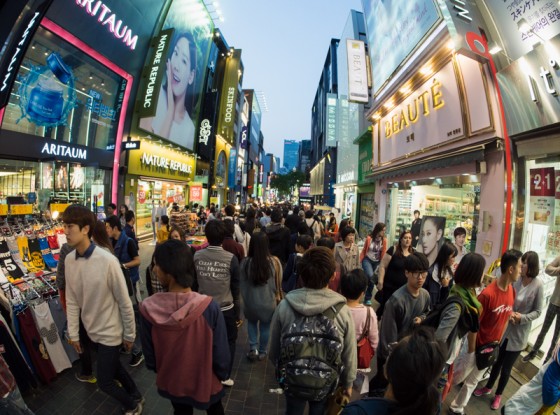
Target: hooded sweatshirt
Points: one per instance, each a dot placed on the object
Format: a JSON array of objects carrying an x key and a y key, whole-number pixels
[
  {"x": 279, "y": 240},
  {"x": 310, "y": 302},
  {"x": 184, "y": 339}
]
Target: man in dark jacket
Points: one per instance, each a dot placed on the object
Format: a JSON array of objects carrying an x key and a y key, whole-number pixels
[
  {"x": 278, "y": 237},
  {"x": 293, "y": 220}
]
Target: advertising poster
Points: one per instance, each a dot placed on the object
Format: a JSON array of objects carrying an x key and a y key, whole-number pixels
[
  {"x": 431, "y": 236},
  {"x": 542, "y": 194},
  {"x": 176, "y": 71},
  {"x": 195, "y": 194},
  {"x": 396, "y": 27},
  {"x": 232, "y": 167},
  {"x": 77, "y": 177},
  {"x": 220, "y": 174},
  {"x": 366, "y": 218},
  {"x": 47, "y": 179},
  {"x": 61, "y": 178}
]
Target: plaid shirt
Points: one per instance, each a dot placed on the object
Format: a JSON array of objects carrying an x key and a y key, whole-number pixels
[{"x": 7, "y": 381}]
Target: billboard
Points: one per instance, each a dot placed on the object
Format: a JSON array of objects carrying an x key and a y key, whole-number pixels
[
  {"x": 171, "y": 98},
  {"x": 394, "y": 29},
  {"x": 229, "y": 96},
  {"x": 357, "y": 71}
]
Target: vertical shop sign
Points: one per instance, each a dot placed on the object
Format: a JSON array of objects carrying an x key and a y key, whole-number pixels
[
  {"x": 14, "y": 52},
  {"x": 228, "y": 98},
  {"x": 331, "y": 119},
  {"x": 232, "y": 168},
  {"x": 243, "y": 142},
  {"x": 357, "y": 71},
  {"x": 542, "y": 193}
]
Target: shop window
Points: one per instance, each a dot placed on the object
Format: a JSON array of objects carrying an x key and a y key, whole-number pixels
[{"x": 64, "y": 94}]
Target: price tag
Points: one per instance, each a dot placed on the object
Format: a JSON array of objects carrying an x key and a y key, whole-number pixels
[
  {"x": 21, "y": 209},
  {"x": 3, "y": 210}
]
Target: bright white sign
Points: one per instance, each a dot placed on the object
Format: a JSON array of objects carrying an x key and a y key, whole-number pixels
[{"x": 357, "y": 71}]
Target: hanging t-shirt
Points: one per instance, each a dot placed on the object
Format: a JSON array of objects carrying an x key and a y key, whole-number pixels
[
  {"x": 35, "y": 347},
  {"x": 7, "y": 263},
  {"x": 497, "y": 306},
  {"x": 35, "y": 253},
  {"x": 53, "y": 244},
  {"x": 14, "y": 250},
  {"x": 49, "y": 333},
  {"x": 61, "y": 239},
  {"x": 59, "y": 318},
  {"x": 46, "y": 253}
]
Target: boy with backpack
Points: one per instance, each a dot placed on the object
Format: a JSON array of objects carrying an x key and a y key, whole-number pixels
[{"x": 312, "y": 338}]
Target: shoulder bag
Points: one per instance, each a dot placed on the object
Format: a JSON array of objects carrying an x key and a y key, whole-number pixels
[
  {"x": 278, "y": 279},
  {"x": 365, "y": 351}
]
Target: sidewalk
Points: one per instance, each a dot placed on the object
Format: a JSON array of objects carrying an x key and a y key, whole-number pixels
[{"x": 249, "y": 396}]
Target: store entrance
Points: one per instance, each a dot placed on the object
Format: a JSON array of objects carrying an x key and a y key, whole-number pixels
[{"x": 155, "y": 193}]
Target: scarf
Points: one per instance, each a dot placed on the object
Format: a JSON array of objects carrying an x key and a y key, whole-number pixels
[{"x": 469, "y": 298}]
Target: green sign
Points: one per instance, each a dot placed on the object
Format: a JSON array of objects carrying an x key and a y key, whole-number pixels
[
  {"x": 229, "y": 97},
  {"x": 365, "y": 160}
]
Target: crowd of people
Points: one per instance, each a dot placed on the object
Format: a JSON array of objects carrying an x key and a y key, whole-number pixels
[{"x": 318, "y": 307}]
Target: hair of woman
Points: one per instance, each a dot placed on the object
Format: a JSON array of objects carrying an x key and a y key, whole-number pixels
[
  {"x": 446, "y": 250},
  {"x": 260, "y": 268},
  {"x": 379, "y": 226},
  {"x": 100, "y": 236},
  {"x": 531, "y": 258},
  {"x": 399, "y": 250}
]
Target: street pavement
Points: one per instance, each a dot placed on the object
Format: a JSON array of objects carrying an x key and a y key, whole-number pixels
[{"x": 254, "y": 391}]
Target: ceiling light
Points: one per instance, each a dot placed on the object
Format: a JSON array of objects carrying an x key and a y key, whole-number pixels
[
  {"x": 426, "y": 70},
  {"x": 90, "y": 75}
]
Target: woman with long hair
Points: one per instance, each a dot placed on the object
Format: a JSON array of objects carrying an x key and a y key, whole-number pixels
[
  {"x": 528, "y": 307},
  {"x": 100, "y": 236},
  {"x": 391, "y": 270},
  {"x": 440, "y": 275},
  {"x": 412, "y": 369},
  {"x": 122, "y": 213},
  {"x": 372, "y": 253},
  {"x": 260, "y": 278}
]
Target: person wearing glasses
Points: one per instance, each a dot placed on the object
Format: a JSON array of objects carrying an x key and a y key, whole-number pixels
[{"x": 406, "y": 308}]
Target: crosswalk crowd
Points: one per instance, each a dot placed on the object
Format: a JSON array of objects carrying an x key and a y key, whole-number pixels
[{"x": 380, "y": 329}]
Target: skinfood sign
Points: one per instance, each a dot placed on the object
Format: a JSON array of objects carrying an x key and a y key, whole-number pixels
[{"x": 430, "y": 115}]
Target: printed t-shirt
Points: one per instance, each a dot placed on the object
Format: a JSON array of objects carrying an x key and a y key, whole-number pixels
[
  {"x": 46, "y": 252},
  {"x": 35, "y": 254},
  {"x": 7, "y": 263},
  {"x": 497, "y": 306},
  {"x": 14, "y": 250}
]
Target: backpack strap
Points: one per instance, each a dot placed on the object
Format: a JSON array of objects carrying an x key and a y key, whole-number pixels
[{"x": 332, "y": 311}]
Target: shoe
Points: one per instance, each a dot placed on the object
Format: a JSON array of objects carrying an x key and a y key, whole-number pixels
[
  {"x": 86, "y": 379},
  {"x": 136, "y": 359},
  {"x": 253, "y": 355},
  {"x": 228, "y": 382},
  {"x": 496, "y": 402},
  {"x": 262, "y": 356},
  {"x": 368, "y": 302},
  {"x": 530, "y": 356},
  {"x": 482, "y": 391},
  {"x": 140, "y": 401},
  {"x": 135, "y": 411}
]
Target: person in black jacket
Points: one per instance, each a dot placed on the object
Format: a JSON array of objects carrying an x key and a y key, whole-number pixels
[{"x": 279, "y": 237}]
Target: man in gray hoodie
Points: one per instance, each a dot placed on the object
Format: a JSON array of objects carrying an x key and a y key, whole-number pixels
[{"x": 315, "y": 301}]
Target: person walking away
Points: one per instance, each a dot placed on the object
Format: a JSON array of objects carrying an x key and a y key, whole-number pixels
[
  {"x": 238, "y": 233},
  {"x": 260, "y": 283},
  {"x": 247, "y": 238},
  {"x": 552, "y": 312},
  {"x": 265, "y": 220},
  {"x": 293, "y": 220},
  {"x": 217, "y": 273},
  {"x": 129, "y": 227},
  {"x": 184, "y": 335},
  {"x": 528, "y": 307},
  {"x": 372, "y": 253},
  {"x": 412, "y": 371},
  {"x": 406, "y": 308},
  {"x": 497, "y": 305},
  {"x": 279, "y": 237},
  {"x": 346, "y": 252},
  {"x": 230, "y": 244},
  {"x": 303, "y": 310},
  {"x": 440, "y": 275},
  {"x": 96, "y": 291},
  {"x": 290, "y": 277},
  {"x": 392, "y": 274},
  {"x": 334, "y": 282},
  {"x": 313, "y": 224}
]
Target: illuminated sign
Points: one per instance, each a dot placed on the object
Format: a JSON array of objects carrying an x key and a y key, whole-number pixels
[
  {"x": 114, "y": 25},
  {"x": 64, "y": 151},
  {"x": 164, "y": 162},
  {"x": 357, "y": 71}
]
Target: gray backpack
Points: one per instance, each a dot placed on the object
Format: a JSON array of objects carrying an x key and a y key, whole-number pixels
[{"x": 310, "y": 356}]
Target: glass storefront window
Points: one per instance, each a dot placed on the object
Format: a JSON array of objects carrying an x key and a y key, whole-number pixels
[
  {"x": 455, "y": 198},
  {"x": 64, "y": 94}
]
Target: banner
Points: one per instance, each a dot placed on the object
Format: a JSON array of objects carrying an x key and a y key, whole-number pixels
[
  {"x": 232, "y": 168},
  {"x": 331, "y": 120},
  {"x": 243, "y": 139},
  {"x": 228, "y": 98},
  {"x": 542, "y": 195},
  {"x": 357, "y": 71}
]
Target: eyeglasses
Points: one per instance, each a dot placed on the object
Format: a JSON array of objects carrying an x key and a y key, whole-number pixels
[{"x": 420, "y": 274}]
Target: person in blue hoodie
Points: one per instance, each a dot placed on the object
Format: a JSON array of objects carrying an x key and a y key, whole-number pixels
[{"x": 184, "y": 335}]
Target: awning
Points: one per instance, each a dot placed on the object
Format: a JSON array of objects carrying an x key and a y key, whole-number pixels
[
  {"x": 455, "y": 158},
  {"x": 363, "y": 135}
]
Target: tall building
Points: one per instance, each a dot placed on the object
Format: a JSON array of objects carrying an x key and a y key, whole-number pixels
[
  {"x": 291, "y": 152},
  {"x": 304, "y": 156}
]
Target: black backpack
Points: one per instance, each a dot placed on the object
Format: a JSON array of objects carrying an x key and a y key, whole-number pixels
[
  {"x": 434, "y": 316},
  {"x": 310, "y": 360}
]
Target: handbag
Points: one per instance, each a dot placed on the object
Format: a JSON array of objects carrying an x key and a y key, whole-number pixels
[
  {"x": 336, "y": 402},
  {"x": 278, "y": 279},
  {"x": 487, "y": 354},
  {"x": 365, "y": 351}
]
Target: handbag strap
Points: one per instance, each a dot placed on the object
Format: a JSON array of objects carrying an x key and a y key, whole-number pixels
[
  {"x": 278, "y": 277},
  {"x": 365, "y": 331}
]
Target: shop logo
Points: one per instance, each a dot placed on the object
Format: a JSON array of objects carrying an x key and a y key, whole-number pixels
[
  {"x": 229, "y": 104},
  {"x": 64, "y": 151},
  {"x": 205, "y": 131},
  {"x": 106, "y": 18},
  {"x": 165, "y": 163}
]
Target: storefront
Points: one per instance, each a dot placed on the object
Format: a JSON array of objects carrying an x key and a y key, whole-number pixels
[
  {"x": 531, "y": 110},
  {"x": 157, "y": 176},
  {"x": 437, "y": 149}
]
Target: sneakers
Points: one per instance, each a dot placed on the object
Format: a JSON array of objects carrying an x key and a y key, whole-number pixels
[
  {"x": 530, "y": 356},
  {"x": 496, "y": 402},
  {"x": 482, "y": 391},
  {"x": 86, "y": 379},
  {"x": 253, "y": 355},
  {"x": 135, "y": 411},
  {"x": 262, "y": 356},
  {"x": 228, "y": 382},
  {"x": 136, "y": 359}
]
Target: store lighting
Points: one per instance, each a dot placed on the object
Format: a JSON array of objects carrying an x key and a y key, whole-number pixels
[
  {"x": 90, "y": 75},
  {"x": 523, "y": 26},
  {"x": 451, "y": 45},
  {"x": 494, "y": 48},
  {"x": 426, "y": 70}
]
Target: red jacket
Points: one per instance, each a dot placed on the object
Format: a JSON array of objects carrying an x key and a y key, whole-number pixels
[{"x": 366, "y": 247}]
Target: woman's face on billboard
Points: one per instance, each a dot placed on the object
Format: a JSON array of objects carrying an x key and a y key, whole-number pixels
[
  {"x": 430, "y": 237},
  {"x": 182, "y": 74}
]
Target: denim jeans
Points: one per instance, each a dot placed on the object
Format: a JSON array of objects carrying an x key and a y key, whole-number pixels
[
  {"x": 137, "y": 345},
  {"x": 369, "y": 268},
  {"x": 296, "y": 406},
  {"x": 257, "y": 342},
  {"x": 109, "y": 369},
  {"x": 13, "y": 404}
]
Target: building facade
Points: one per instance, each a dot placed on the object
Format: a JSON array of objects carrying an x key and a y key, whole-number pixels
[{"x": 290, "y": 157}]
